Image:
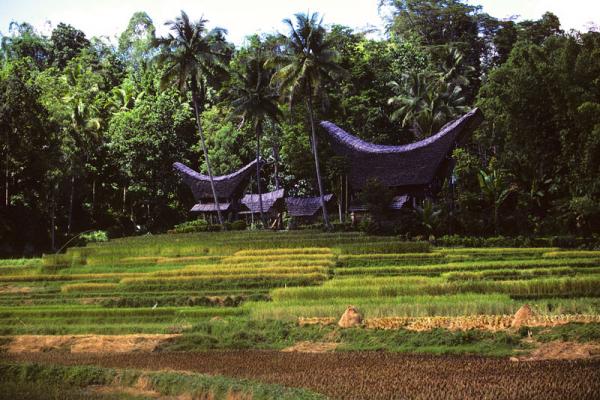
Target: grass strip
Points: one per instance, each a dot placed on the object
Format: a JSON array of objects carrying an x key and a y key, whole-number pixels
[{"x": 71, "y": 381}]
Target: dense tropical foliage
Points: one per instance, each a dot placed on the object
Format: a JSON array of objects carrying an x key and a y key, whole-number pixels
[{"x": 89, "y": 129}]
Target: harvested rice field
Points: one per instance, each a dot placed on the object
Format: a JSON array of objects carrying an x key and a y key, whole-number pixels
[
  {"x": 370, "y": 375},
  {"x": 262, "y": 308}
]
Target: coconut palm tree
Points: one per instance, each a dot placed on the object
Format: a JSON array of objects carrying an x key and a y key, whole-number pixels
[
  {"x": 307, "y": 61},
  {"x": 426, "y": 100},
  {"x": 255, "y": 101},
  {"x": 191, "y": 56}
]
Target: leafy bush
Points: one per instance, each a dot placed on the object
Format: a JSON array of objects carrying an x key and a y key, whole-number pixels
[
  {"x": 198, "y": 225},
  {"x": 94, "y": 237},
  {"x": 517, "y": 241},
  {"x": 239, "y": 225}
]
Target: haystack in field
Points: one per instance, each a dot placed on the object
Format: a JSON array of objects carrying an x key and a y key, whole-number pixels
[
  {"x": 522, "y": 316},
  {"x": 351, "y": 318}
]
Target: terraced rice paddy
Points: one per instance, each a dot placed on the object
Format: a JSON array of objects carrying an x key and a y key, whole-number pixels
[
  {"x": 166, "y": 284},
  {"x": 270, "y": 291}
]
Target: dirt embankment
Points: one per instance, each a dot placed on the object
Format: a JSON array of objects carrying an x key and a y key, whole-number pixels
[
  {"x": 86, "y": 343},
  {"x": 369, "y": 375}
]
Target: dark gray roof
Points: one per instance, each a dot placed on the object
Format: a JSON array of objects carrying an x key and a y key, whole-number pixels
[
  {"x": 268, "y": 199},
  {"x": 225, "y": 185},
  {"x": 413, "y": 164},
  {"x": 305, "y": 206},
  {"x": 397, "y": 203},
  {"x": 210, "y": 207}
]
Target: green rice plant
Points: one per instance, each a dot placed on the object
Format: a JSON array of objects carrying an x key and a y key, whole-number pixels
[
  {"x": 88, "y": 287},
  {"x": 221, "y": 278},
  {"x": 91, "y": 312},
  {"x": 274, "y": 258},
  {"x": 366, "y": 260},
  {"x": 326, "y": 262},
  {"x": 572, "y": 254},
  {"x": 506, "y": 274},
  {"x": 69, "y": 277},
  {"x": 35, "y": 278},
  {"x": 497, "y": 250},
  {"x": 529, "y": 263},
  {"x": 426, "y": 270},
  {"x": 188, "y": 259},
  {"x": 16, "y": 270},
  {"x": 585, "y": 286},
  {"x": 58, "y": 260},
  {"x": 463, "y": 304},
  {"x": 120, "y": 269},
  {"x": 234, "y": 271},
  {"x": 21, "y": 262},
  {"x": 133, "y": 260},
  {"x": 204, "y": 282},
  {"x": 384, "y": 247},
  {"x": 284, "y": 251},
  {"x": 436, "y": 269}
]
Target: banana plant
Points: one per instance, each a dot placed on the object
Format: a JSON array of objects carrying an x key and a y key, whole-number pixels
[
  {"x": 429, "y": 214},
  {"x": 494, "y": 190}
]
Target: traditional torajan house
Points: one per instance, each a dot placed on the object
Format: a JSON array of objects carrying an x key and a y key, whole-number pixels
[
  {"x": 417, "y": 170},
  {"x": 229, "y": 189},
  {"x": 272, "y": 204},
  {"x": 305, "y": 208}
]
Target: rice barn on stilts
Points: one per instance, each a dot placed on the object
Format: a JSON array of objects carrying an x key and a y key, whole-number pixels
[
  {"x": 413, "y": 172},
  {"x": 229, "y": 190}
]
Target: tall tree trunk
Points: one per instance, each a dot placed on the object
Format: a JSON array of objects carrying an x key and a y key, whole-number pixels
[
  {"x": 309, "y": 105},
  {"x": 346, "y": 197},
  {"x": 203, "y": 142},
  {"x": 53, "y": 220},
  {"x": 260, "y": 202},
  {"x": 93, "y": 197},
  {"x": 276, "y": 166},
  {"x": 71, "y": 200},
  {"x": 6, "y": 202},
  {"x": 124, "y": 198},
  {"x": 340, "y": 200}
]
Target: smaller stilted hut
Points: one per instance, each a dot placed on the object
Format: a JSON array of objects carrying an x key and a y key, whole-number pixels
[
  {"x": 229, "y": 189},
  {"x": 397, "y": 203},
  {"x": 273, "y": 204},
  {"x": 305, "y": 209}
]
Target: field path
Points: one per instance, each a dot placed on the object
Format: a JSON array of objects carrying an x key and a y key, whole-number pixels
[{"x": 368, "y": 375}]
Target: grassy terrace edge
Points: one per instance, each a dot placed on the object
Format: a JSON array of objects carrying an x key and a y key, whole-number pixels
[{"x": 73, "y": 382}]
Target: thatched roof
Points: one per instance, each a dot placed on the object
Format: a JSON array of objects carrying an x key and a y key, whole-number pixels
[
  {"x": 226, "y": 186},
  {"x": 305, "y": 206},
  {"x": 413, "y": 164},
  {"x": 251, "y": 201},
  {"x": 397, "y": 203},
  {"x": 210, "y": 207}
]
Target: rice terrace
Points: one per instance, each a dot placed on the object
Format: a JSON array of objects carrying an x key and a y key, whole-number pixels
[
  {"x": 394, "y": 200},
  {"x": 264, "y": 306}
]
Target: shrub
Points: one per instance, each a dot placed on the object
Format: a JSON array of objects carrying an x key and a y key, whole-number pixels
[
  {"x": 94, "y": 237},
  {"x": 377, "y": 197},
  {"x": 198, "y": 225},
  {"x": 239, "y": 225}
]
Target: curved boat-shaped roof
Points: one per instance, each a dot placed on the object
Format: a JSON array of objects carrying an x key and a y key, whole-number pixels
[
  {"x": 225, "y": 185},
  {"x": 413, "y": 164}
]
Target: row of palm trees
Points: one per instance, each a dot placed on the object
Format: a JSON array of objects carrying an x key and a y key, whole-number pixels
[{"x": 295, "y": 68}]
